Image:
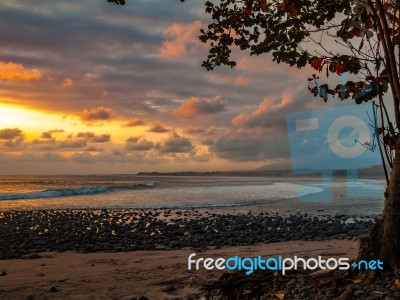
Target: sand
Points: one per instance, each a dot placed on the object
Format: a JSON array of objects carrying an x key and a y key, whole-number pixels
[{"x": 124, "y": 275}]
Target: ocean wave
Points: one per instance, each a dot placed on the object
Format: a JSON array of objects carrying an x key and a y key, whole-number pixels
[{"x": 56, "y": 193}]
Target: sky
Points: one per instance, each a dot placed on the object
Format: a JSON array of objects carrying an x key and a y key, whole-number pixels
[{"x": 87, "y": 87}]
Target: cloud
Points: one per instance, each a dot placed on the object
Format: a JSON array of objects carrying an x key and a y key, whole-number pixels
[
  {"x": 195, "y": 107},
  {"x": 269, "y": 114},
  {"x": 176, "y": 144},
  {"x": 196, "y": 130},
  {"x": 92, "y": 138},
  {"x": 249, "y": 145},
  {"x": 103, "y": 138},
  {"x": 67, "y": 83},
  {"x": 72, "y": 144},
  {"x": 90, "y": 76},
  {"x": 157, "y": 127},
  {"x": 100, "y": 113},
  {"x": 134, "y": 122},
  {"x": 85, "y": 135},
  {"x": 138, "y": 143},
  {"x": 181, "y": 39},
  {"x": 14, "y": 71},
  {"x": 11, "y": 133},
  {"x": 241, "y": 81},
  {"x": 49, "y": 134}
]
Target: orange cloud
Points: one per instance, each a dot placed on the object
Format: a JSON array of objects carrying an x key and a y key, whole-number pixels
[
  {"x": 268, "y": 114},
  {"x": 195, "y": 130},
  {"x": 134, "y": 122},
  {"x": 100, "y": 113},
  {"x": 10, "y": 133},
  {"x": 180, "y": 39},
  {"x": 241, "y": 81},
  {"x": 13, "y": 71},
  {"x": 196, "y": 106},
  {"x": 157, "y": 127},
  {"x": 89, "y": 76},
  {"x": 67, "y": 83}
]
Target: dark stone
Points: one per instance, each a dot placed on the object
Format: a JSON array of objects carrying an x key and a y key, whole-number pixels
[
  {"x": 3, "y": 273},
  {"x": 53, "y": 289},
  {"x": 168, "y": 289},
  {"x": 33, "y": 256}
]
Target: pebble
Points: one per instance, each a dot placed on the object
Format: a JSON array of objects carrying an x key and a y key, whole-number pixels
[
  {"x": 130, "y": 230},
  {"x": 168, "y": 289}
]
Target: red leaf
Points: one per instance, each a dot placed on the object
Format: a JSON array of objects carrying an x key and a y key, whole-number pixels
[
  {"x": 368, "y": 24},
  {"x": 339, "y": 68},
  {"x": 316, "y": 63},
  {"x": 263, "y": 5},
  {"x": 248, "y": 10},
  {"x": 304, "y": 33},
  {"x": 356, "y": 32},
  {"x": 293, "y": 9}
]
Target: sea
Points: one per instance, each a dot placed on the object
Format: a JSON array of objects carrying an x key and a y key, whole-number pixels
[{"x": 241, "y": 194}]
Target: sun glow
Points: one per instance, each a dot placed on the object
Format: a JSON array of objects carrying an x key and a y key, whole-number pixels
[
  {"x": 34, "y": 122},
  {"x": 29, "y": 120}
]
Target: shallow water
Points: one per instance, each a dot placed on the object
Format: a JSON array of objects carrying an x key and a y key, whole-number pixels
[{"x": 146, "y": 192}]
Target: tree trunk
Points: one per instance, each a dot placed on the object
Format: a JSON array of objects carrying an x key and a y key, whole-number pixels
[{"x": 384, "y": 241}]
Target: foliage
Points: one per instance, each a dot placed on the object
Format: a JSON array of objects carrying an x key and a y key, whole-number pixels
[{"x": 301, "y": 32}]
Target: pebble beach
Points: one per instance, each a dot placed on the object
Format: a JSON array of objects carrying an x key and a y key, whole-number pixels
[{"x": 30, "y": 232}]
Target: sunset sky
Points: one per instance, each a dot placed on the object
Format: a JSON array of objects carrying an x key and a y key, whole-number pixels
[{"x": 90, "y": 87}]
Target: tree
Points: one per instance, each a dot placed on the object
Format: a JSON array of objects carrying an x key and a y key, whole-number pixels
[{"x": 361, "y": 37}]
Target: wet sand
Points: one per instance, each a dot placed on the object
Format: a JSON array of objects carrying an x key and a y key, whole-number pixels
[{"x": 126, "y": 275}]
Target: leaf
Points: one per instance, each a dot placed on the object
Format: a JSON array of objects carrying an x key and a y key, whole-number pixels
[
  {"x": 263, "y": 5},
  {"x": 357, "y": 281},
  {"x": 293, "y": 9},
  {"x": 282, "y": 6},
  {"x": 356, "y": 32},
  {"x": 248, "y": 10},
  {"x": 339, "y": 68},
  {"x": 397, "y": 282},
  {"x": 369, "y": 23},
  {"x": 316, "y": 63},
  {"x": 280, "y": 296}
]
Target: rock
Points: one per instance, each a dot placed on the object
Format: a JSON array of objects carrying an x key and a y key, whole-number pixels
[
  {"x": 189, "y": 297},
  {"x": 168, "y": 289},
  {"x": 29, "y": 297},
  {"x": 359, "y": 293},
  {"x": 378, "y": 294},
  {"x": 3, "y": 273},
  {"x": 142, "y": 298},
  {"x": 33, "y": 256},
  {"x": 53, "y": 289},
  {"x": 291, "y": 283}
]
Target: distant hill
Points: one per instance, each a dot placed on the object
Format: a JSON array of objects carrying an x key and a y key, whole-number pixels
[{"x": 373, "y": 172}]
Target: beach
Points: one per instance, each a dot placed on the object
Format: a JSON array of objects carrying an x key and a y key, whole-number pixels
[
  {"x": 102, "y": 254},
  {"x": 159, "y": 274},
  {"x": 125, "y": 237}
]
